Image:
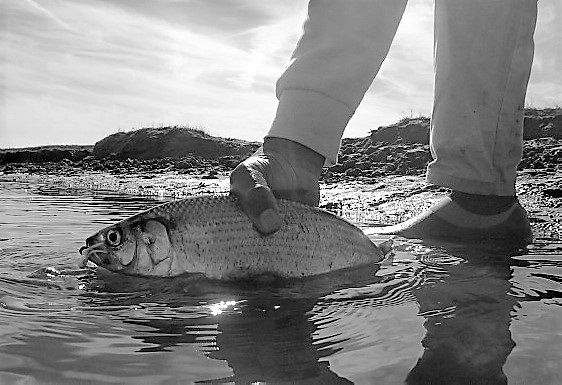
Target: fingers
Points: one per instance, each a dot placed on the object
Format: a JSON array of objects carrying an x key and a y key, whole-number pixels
[
  {"x": 261, "y": 206},
  {"x": 287, "y": 170},
  {"x": 309, "y": 196},
  {"x": 256, "y": 198}
]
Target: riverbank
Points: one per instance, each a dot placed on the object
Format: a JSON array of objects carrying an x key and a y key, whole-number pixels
[{"x": 398, "y": 149}]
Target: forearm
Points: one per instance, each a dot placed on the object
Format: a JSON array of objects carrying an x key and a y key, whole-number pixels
[{"x": 334, "y": 63}]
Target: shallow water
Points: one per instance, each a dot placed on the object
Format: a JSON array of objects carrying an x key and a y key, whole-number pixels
[{"x": 440, "y": 313}]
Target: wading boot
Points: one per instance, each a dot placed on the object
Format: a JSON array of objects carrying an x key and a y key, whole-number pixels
[{"x": 465, "y": 218}]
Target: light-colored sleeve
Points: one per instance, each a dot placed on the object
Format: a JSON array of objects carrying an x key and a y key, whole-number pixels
[{"x": 340, "y": 52}]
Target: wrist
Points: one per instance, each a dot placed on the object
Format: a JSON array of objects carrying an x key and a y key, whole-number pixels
[{"x": 299, "y": 156}]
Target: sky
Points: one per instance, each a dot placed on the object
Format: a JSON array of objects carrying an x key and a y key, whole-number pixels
[{"x": 75, "y": 71}]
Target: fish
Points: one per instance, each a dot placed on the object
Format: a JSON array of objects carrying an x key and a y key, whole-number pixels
[{"x": 211, "y": 235}]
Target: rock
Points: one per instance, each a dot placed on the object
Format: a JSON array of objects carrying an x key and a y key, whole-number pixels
[
  {"x": 350, "y": 163},
  {"x": 553, "y": 192},
  {"x": 543, "y": 123},
  {"x": 150, "y": 143},
  {"x": 184, "y": 165},
  {"x": 531, "y": 127},
  {"x": 407, "y": 130},
  {"x": 230, "y": 161},
  {"x": 337, "y": 168},
  {"x": 400, "y": 149},
  {"x": 353, "y": 172},
  {"x": 44, "y": 154},
  {"x": 554, "y": 130},
  {"x": 212, "y": 174}
]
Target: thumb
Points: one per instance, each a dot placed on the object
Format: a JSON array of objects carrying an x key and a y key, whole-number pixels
[{"x": 256, "y": 198}]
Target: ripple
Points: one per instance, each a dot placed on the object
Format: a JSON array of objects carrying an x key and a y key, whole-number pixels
[
  {"x": 136, "y": 328},
  {"x": 439, "y": 259}
]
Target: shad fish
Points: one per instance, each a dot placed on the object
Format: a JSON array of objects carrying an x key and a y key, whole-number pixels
[{"x": 212, "y": 236}]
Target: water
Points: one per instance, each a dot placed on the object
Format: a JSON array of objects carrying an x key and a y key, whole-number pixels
[{"x": 434, "y": 313}]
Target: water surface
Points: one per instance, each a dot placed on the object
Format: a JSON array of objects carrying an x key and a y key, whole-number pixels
[{"x": 440, "y": 313}]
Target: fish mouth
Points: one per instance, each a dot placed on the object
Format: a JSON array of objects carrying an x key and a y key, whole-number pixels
[{"x": 95, "y": 252}]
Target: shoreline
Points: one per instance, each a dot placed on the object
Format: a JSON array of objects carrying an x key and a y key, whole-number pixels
[{"x": 398, "y": 149}]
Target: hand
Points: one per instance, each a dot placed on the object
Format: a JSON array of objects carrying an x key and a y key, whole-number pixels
[{"x": 281, "y": 169}]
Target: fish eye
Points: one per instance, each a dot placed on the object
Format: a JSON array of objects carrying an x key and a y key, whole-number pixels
[{"x": 113, "y": 237}]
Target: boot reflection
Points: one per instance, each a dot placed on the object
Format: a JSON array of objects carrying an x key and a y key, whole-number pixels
[{"x": 468, "y": 312}]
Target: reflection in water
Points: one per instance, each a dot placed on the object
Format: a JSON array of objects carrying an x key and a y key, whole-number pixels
[
  {"x": 260, "y": 342},
  {"x": 467, "y": 311},
  {"x": 267, "y": 336},
  {"x": 465, "y": 302},
  {"x": 430, "y": 317}
]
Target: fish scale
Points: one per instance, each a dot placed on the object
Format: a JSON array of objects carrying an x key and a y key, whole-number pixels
[{"x": 211, "y": 235}]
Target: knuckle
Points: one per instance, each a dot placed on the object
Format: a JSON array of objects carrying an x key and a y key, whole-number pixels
[
  {"x": 238, "y": 171},
  {"x": 259, "y": 194}
]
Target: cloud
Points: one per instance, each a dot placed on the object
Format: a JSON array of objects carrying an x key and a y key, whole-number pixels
[
  {"x": 404, "y": 85},
  {"x": 32, "y": 12},
  {"x": 75, "y": 71},
  {"x": 139, "y": 67},
  {"x": 545, "y": 84}
]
